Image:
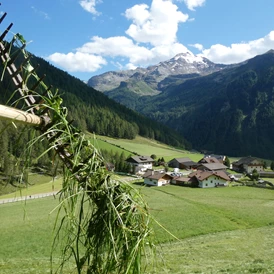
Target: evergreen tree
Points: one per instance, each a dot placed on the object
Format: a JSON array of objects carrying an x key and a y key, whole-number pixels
[
  {"x": 255, "y": 174},
  {"x": 153, "y": 156},
  {"x": 227, "y": 162}
]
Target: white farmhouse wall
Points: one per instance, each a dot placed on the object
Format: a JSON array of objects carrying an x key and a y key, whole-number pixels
[
  {"x": 255, "y": 165},
  {"x": 212, "y": 181},
  {"x": 155, "y": 182},
  {"x": 141, "y": 167}
]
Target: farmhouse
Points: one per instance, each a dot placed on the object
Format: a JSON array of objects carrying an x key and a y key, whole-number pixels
[
  {"x": 248, "y": 164},
  {"x": 156, "y": 178},
  {"x": 206, "y": 179},
  {"x": 182, "y": 163},
  {"x": 140, "y": 163}
]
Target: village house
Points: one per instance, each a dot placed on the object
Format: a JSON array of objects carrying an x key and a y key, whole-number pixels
[
  {"x": 156, "y": 178},
  {"x": 140, "y": 164},
  {"x": 248, "y": 164},
  {"x": 206, "y": 179},
  {"x": 182, "y": 163}
]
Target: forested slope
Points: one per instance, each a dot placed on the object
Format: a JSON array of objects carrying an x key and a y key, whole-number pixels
[
  {"x": 93, "y": 111},
  {"x": 89, "y": 110},
  {"x": 229, "y": 112}
]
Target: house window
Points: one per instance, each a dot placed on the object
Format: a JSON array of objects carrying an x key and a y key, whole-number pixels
[{"x": 206, "y": 184}]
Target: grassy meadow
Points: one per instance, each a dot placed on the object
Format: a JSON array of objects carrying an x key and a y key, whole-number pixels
[
  {"x": 144, "y": 146},
  {"x": 218, "y": 230},
  {"x": 38, "y": 183}
]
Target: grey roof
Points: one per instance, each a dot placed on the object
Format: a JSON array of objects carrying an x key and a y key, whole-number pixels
[
  {"x": 182, "y": 160},
  {"x": 214, "y": 166},
  {"x": 189, "y": 163},
  {"x": 245, "y": 160},
  {"x": 218, "y": 157},
  {"x": 140, "y": 159}
]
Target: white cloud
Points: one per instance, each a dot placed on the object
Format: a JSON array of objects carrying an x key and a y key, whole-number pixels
[
  {"x": 192, "y": 4},
  {"x": 88, "y": 57},
  {"x": 130, "y": 66},
  {"x": 197, "y": 46},
  {"x": 116, "y": 46},
  {"x": 41, "y": 13},
  {"x": 124, "y": 47},
  {"x": 239, "y": 52},
  {"x": 157, "y": 25},
  {"x": 78, "y": 61},
  {"x": 89, "y": 6},
  {"x": 152, "y": 39}
]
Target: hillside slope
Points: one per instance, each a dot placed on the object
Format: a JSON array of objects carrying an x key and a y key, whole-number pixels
[
  {"x": 230, "y": 111},
  {"x": 93, "y": 111}
]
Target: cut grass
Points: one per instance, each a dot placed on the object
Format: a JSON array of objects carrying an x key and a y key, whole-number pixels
[
  {"x": 238, "y": 251},
  {"x": 209, "y": 210},
  {"x": 221, "y": 230},
  {"x": 26, "y": 236},
  {"x": 144, "y": 146}
]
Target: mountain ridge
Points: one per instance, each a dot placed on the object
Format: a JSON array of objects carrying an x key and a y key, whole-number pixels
[
  {"x": 182, "y": 64},
  {"x": 229, "y": 111},
  {"x": 93, "y": 111}
]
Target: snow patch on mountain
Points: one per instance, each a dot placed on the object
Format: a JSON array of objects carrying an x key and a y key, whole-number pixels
[{"x": 181, "y": 64}]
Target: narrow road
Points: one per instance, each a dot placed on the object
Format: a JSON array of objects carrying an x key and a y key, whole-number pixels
[{"x": 24, "y": 198}]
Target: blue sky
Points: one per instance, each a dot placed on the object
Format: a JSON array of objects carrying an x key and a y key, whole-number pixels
[{"x": 89, "y": 37}]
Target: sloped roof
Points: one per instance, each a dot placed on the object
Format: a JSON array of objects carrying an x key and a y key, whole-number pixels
[
  {"x": 139, "y": 159},
  {"x": 181, "y": 179},
  {"x": 204, "y": 174},
  {"x": 214, "y": 166},
  {"x": 246, "y": 161},
  {"x": 189, "y": 163},
  {"x": 209, "y": 159},
  {"x": 181, "y": 160},
  {"x": 150, "y": 174},
  {"x": 218, "y": 157}
]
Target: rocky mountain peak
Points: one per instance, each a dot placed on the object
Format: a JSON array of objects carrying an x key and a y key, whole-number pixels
[{"x": 181, "y": 64}]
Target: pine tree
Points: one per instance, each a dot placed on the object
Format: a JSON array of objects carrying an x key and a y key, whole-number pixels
[
  {"x": 272, "y": 165},
  {"x": 227, "y": 162}
]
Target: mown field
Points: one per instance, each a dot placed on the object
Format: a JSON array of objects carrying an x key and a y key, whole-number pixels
[
  {"x": 38, "y": 183},
  {"x": 219, "y": 230},
  {"x": 144, "y": 146}
]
